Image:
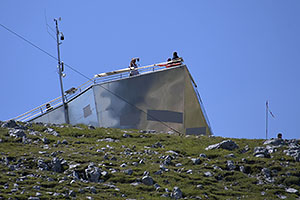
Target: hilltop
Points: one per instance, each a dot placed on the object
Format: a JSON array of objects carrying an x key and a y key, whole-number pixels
[{"x": 47, "y": 161}]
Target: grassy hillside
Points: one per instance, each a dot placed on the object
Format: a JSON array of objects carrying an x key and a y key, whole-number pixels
[{"x": 54, "y": 162}]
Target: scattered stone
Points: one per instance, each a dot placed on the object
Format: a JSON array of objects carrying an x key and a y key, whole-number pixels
[
  {"x": 64, "y": 141},
  {"x": 147, "y": 180},
  {"x": 202, "y": 155},
  {"x": 9, "y": 124},
  {"x": 123, "y": 165},
  {"x": 178, "y": 165},
  {"x": 291, "y": 190},
  {"x": 128, "y": 171},
  {"x": 261, "y": 152},
  {"x": 176, "y": 194},
  {"x": 107, "y": 140},
  {"x": 125, "y": 135},
  {"x": 275, "y": 142},
  {"x": 226, "y": 144},
  {"x": 200, "y": 186},
  {"x": 157, "y": 145},
  {"x": 245, "y": 149},
  {"x": 17, "y": 133},
  {"x": 266, "y": 172},
  {"x": 242, "y": 169},
  {"x": 172, "y": 152},
  {"x": 208, "y": 174},
  {"x": 196, "y": 161},
  {"x": 230, "y": 156},
  {"x": 93, "y": 173},
  {"x": 45, "y": 140},
  {"x": 230, "y": 165},
  {"x": 159, "y": 172}
]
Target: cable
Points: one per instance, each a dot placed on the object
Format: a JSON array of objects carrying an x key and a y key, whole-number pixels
[
  {"x": 39, "y": 48},
  {"x": 16, "y": 34}
]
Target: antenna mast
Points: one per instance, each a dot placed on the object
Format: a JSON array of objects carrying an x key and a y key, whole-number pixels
[{"x": 60, "y": 70}]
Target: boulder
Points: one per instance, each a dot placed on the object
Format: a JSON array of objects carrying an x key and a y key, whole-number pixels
[
  {"x": 147, "y": 180},
  {"x": 18, "y": 133},
  {"x": 275, "y": 142},
  {"x": 261, "y": 152},
  {"x": 93, "y": 173},
  {"x": 10, "y": 124},
  {"x": 226, "y": 144}
]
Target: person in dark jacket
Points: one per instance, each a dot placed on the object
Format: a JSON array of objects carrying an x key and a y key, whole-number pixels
[{"x": 175, "y": 56}]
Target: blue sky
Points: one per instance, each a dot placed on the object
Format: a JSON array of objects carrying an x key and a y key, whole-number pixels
[{"x": 240, "y": 53}]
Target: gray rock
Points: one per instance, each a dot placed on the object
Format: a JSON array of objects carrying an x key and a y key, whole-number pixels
[
  {"x": 125, "y": 135},
  {"x": 297, "y": 157},
  {"x": 226, "y": 144},
  {"x": 172, "y": 152},
  {"x": 208, "y": 174},
  {"x": 156, "y": 186},
  {"x": 56, "y": 164},
  {"x": 93, "y": 190},
  {"x": 18, "y": 133},
  {"x": 147, "y": 180},
  {"x": 168, "y": 160},
  {"x": 176, "y": 194},
  {"x": 93, "y": 173},
  {"x": 178, "y": 165},
  {"x": 245, "y": 149},
  {"x": 64, "y": 141},
  {"x": 275, "y": 142},
  {"x": 291, "y": 190},
  {"x": 128, "y": 171},
  {"x": 159, "y": 172},
  {"x": 261, "y": 152},
  {"x": 45, "y": 140},
  {"x": 91, "y": 127},
  {"x": 72, "y": 193},
  {"x": 42, "y": 165},
  {"x": 9, "y": 124},
  {"x": 266, "y": 172},
  {"x": 200, "y": 186},
  {"x": 196, "y": 161},
  {"x": 202, "y": 155},
  {"x": 33, "y": 198},
  {"x": 157, "y": 145},
  {"x": 123, "y": 165},
  {"x": 230, "y": 156},
  {"x": 242, "y": 169},
  {"x": 230, "y": 165}
]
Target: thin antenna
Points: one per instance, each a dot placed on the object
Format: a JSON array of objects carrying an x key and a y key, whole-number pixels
[
  {"x": 267, "y": 114},
  {"x": 60, "y": 70}
]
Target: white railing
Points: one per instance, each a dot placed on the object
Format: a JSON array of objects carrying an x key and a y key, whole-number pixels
[{"x": 99, "y": 78}]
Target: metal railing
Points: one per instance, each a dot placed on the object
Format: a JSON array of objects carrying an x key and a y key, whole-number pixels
[{"x": 98, "y": 79}]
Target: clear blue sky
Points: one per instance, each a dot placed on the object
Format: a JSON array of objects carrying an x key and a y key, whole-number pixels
[{"x": 240, "y": 53}]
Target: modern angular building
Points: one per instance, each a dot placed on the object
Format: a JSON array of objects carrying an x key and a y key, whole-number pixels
[{"x": 160, "y": 98}]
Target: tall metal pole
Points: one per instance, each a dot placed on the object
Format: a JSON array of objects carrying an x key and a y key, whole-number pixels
[
  {"x": 60, "y": 74},
  {"x": 267, "y": 119}
]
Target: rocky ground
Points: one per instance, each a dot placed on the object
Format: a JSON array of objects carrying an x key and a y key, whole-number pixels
[{"x": 42, "y": 161}]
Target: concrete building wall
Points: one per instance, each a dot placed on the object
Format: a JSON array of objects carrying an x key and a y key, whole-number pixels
[
  {"x": 82, "y": 109},
  {"x": 164, "y": 101}
]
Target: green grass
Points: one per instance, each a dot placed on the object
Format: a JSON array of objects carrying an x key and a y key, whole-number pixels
[{"x": 82, "y": 149}]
